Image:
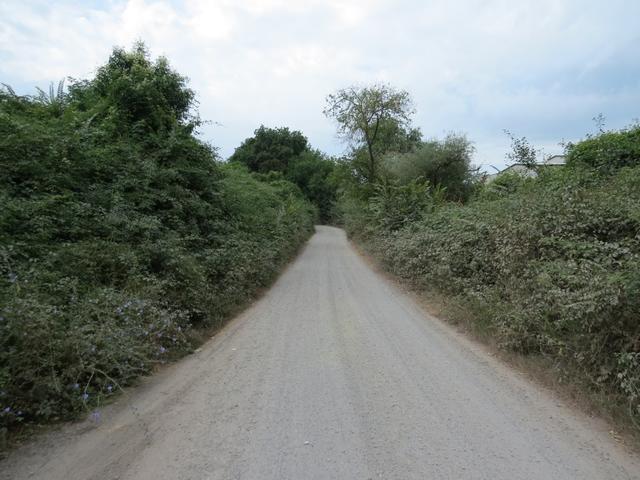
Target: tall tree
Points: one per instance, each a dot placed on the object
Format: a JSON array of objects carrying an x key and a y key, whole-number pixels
[
  {"x": 270, "y": 149},
  {"x": 362, "y": 113},
  {"x": 288, "y": 153}
]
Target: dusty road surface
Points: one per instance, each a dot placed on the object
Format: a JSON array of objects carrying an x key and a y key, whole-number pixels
[{"x": 333, "y": 374}]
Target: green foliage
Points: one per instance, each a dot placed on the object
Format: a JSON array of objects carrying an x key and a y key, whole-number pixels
[
  {"x": 506, "y": 183},
  {"x": 136, "y": 92},
  {"x": 549, "y": 262},
  {"x": 397, "y": 137},
  {"x": 393, "y": 206},
  {"x": 374, "y": 120},
  {"x": 55, "y": 99},
  {"x": 119, "y": 232},
  {"x": 607, "y": 151},
  {"x": 387, "y": 206},
  {"x": 550, "y": 265},
  {"x": 313, "y": 172},
  {"x": 282, "y": 151},
  {"x": 446, "y": 164},
  {"x": 270, "y": 149},
  {"x": 522, "y": 152}
]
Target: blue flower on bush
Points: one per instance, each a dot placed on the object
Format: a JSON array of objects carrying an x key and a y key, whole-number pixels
[
  {"x": 7, "y": 410},
  {"x": 163, "y": 350},
  {"x": 85, "y": 397},
  {"x": 109, "y": 388},
  {"x": 95, "y": 416}
]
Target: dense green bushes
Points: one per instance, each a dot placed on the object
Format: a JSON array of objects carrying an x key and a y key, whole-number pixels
[
  {"x": 547, "y": 266},
  {"x": 288, "y": 153},
  {"x": 445, "y": 163},
  {"x": 608, "y": 151},
  {"x": 119, "y": 231}
]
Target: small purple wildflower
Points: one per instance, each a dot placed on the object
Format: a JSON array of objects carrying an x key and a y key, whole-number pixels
[
  {"x": 109, "y": 388},
  {"x": 7, "y": 410},
  {"x": 163, "y": 350},
  {"x": 76, "y": 386},
  {"x": 85, "y": 396}
]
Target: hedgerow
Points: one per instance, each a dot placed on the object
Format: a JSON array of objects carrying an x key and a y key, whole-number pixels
[
  {"x": 549, "y": 266},
  {"x": 608, "y": 151},
  {"x": 119, "y": 232}
]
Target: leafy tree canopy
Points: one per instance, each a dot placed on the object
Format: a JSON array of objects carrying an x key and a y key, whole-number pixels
[
  {"x": 288, "y": 153},
  {"x": 313, "y": 172},
  {"x": 371, "y": 119},
  {"x": 132, "y": 90},
  {"x": 270, "y": 149},
  {"x": 443, "y": 163}
]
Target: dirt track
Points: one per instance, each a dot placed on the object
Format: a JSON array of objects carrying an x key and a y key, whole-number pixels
[{"x": 334, "y": 374}]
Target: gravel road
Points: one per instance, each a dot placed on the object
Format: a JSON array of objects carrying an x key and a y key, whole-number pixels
[{"x": 334, "y": 374}]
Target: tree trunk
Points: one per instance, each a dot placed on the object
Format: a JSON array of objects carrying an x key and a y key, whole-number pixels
[{"x": 372, "y": 163}]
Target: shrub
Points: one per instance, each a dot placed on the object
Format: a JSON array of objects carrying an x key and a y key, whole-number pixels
[
  {"x": 551, "y": 268},
  {"x": 608, "y": 151},
  {"x": 445, "y": 164},
  {"x": 273, "y": 151},
  {"x": 119, "y": 232}
]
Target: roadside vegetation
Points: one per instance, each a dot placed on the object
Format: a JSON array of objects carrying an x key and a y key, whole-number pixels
[
  {"x": 279, "y": 153},
  {"x": 548, "y": 266},
  {"x": 121, "y": 234}
]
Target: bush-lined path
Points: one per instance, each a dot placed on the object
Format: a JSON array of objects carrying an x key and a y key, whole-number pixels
[{"x": 333, "y": 374}]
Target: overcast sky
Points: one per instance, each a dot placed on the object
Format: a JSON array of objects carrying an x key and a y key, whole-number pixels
[{"x": 540, "y": 68}]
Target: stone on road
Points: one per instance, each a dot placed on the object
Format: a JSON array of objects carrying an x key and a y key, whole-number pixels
[{"x": 334, "y": 374}]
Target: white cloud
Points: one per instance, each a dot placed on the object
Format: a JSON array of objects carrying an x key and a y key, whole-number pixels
[
  {"x": 541, "y": 67},
  {"x": 209, "y": 21}
]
